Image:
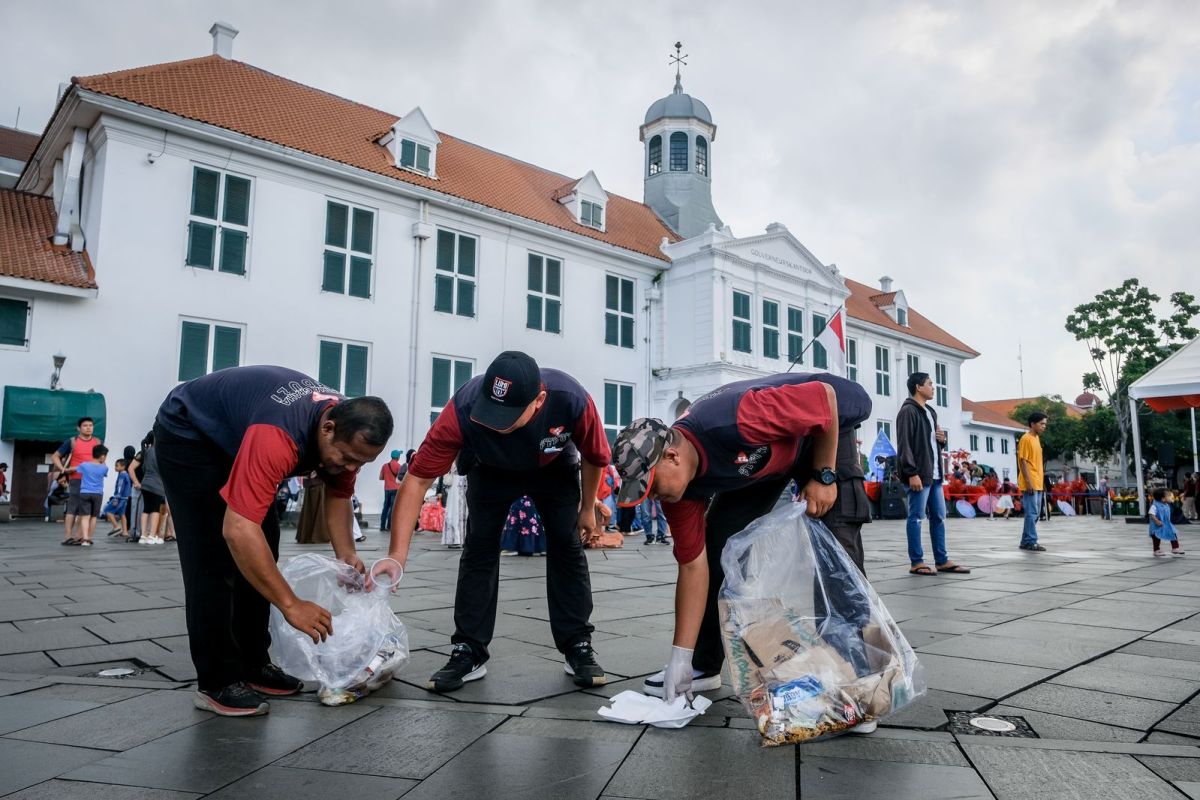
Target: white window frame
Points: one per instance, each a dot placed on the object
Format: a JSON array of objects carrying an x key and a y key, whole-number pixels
[
  {"x": 455, "y": 361},
  {"x": 973, "y": 440},
  {"x": 798, "y": 333},
  {"x": 772, "y": 329},
  {"x": 940, "y": 381},
  {"x": 619, "y": 313},
  {"x": 902, "y": 317},
  {"x": 852, "y": 359},
  {"x": 455, "y": 275},
  {"x": 348, "y": 252},
  {"x": 989, "y": 444},
  {"x": 341, "y": 387},
  {"x": 219, "y": 222},
  {"x": 544, "y": 295},
  {"x": 883, "y": 371},
  {"x": 212, "y": 341},
  {"x": 591, "y": 220},
  {"x": 884, "y": 425},
  {"x": 417, "y": 148},
  {"x": 28, "y": 301},
  {"x": 913, "y": 363},
  {"x": 611, "y": 431},
  {"x": 748, "y": 321}
]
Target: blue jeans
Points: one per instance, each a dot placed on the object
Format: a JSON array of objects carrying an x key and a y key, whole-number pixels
[
  {"x": 385, "y": 514},
  {"x": 931, "y": 501},
  {"x": 1031, "y": 506}
]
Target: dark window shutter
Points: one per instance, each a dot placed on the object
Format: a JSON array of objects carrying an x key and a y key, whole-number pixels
[
  {"x": 611, "y": 329},
  {"x": 333, "y": 278},
  {"x": 193, "y": 351},
  {"x": 462, "y": 374},
  {"x": 627, "y": 332},
  {"x": 612, "y": 412},
  {"x": 356, "y": 371},
  {"x": 466, "y": 299},
  {"x": 227, "y": 347},
  {"x": 205, "y": 186},
  {"x": 364, "y": 222},
  {"x": 611, "y": 293},
  {"x": 443, "y": 293},
  {"x": 329, "y": 366},
  {"x": 14, "y": 314},
  {"x": 553, "y": 277},
  {"x": 445, "y": 251},
  {"x": 626, "y": 405},
  {"x": 335, "y": 224},
  {"x": 237, "y": 200},
  {"x": 466, "y": 255},
  {"x": 233, "y": 251},
  {"x": 408, "y": 152},
  {"x": 422, "y": 158},
  {"x": 201, "y": 242},
  {"x": 533, "y": 312},
  {"x": 627, "y": 296},
  {"x": 360, "y": 277},
  {"x": 535, "y": 273},
  {"x": 440, "y": 395},
  {"x": 553, "y": 316}
]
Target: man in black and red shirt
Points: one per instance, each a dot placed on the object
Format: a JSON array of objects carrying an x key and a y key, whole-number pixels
[
  {"x": 518, "y": 430},
  {"x": 722, "y": 465},
  {"x": 224, "y": 443}
]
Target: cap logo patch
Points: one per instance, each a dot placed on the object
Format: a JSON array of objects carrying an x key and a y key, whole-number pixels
[{"x": 500, "y": 387}]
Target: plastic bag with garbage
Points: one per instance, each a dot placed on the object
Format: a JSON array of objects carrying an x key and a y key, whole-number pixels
[
  {"x": 812, "y": 651},
  {"x": 369, "y": 644}
]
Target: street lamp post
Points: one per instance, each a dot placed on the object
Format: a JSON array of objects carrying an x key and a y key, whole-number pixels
[{"x": 59, "y": 360}]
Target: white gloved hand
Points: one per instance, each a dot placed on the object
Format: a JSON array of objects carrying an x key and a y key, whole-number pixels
[{"x": 677, "y": 677}]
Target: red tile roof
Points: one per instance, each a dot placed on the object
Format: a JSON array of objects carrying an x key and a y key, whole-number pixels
[
  {"x": 861, "y": 305},
  {"x": 883, "y": 300},
  {"x": 1005, "y": 407},
  {"x": 17, "y": 144},
  {"x": 26, "y": 224},
  {"x": 243, "y": 98},
  {"x": 983, "y": 413}
]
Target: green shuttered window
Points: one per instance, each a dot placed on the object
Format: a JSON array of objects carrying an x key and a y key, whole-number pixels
[
  {"x": 219, "y": 221},
  {"x": 770, "y": 329},
  {"x": 795, "y": 335},
  {"x": 14, "y": 322},
  {"x": 741, "y": 322},
  {"x": 543, "y": 306},
  {"x": 618, "y": 311},
  {"x": 455, "y": 274},
  {"x": 449, "y": 374},
  {"x": 941, "y": 387},
  {"x": 414, "y": 156},
  {"x": 820, "y": 357},
  {"x": 592, "y": 214},
  {"x": 349, "y": 244},
  {"x": 618, "y": 408},
  {"x": 343, "y": 366},
  {"x": 206, "y": 347}
]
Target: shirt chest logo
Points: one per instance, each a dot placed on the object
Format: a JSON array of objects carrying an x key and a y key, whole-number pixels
[
  {"x": 750, "y": 463},
  {"x": 556, "y": 441},
  {"x": 500, "y": 388}
]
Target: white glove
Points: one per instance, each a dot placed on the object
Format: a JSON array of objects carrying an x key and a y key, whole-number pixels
[{"x": 677, "y": 676}]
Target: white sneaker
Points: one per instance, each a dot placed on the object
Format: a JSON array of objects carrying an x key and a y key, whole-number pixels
[
  {"x": 864, "y": 727},
  {"x": 145, "y": 540},
  {"x": 653, "y": 685}
]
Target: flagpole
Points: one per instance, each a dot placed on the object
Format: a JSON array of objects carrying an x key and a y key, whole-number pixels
[{"x": 813, "y": 340}]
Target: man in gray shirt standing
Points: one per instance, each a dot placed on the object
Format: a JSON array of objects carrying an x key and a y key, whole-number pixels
[{"x": 919, "y": 442}]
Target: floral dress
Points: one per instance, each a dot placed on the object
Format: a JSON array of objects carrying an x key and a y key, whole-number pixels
[{"x": 523, "y": 530}]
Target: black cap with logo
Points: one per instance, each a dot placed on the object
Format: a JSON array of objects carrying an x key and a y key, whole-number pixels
[{"x": 512, "y": 381}]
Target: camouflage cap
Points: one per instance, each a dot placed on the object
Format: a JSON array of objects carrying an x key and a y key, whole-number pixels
[{"x": 635, "y": 454}]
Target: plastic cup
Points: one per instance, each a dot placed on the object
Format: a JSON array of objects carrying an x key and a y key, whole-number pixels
[{"x": 381, "y": 579}]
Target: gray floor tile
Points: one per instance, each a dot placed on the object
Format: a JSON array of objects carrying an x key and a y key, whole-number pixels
[
  {"x": 1006, "y": 650},
  {"x": 851, "y": 779},
  {"x": 1149, "y": 665},
  {"x": 979, "y": 678},
  {"x": 395, "y": 743},
  {"x": 879, "y": 748},
  {"x": 1180, "y": 652},
  {"x": 705, "y": 762},
  {"x": 929, "y": 710},
  {"x": 1053, "y": 726},
  {"x": 1017, "y": 774},
  {"x": 1128, "y": 712},
  {"x": 1133, "y": 684},
  {"x": 284, "y": 783},
  {"x": 88, "y": 693},
  {"x": 1174, "y": 769},
  {"x": 46, "y": 640},
  {"x": 24, "y": 764},
  {"x": 25, "y": 710},
  {"x": 122, "y": 725},
  {"x": 79, "y": 790}
]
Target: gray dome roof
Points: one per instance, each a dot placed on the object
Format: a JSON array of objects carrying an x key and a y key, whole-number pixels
[{"x": 678, "y": 104}]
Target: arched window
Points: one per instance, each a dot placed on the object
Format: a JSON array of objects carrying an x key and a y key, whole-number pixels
[
  {"x": 701, "y": 156},
  {"x": 655, "y": 165},
  {"x": 679, "y": 157}
]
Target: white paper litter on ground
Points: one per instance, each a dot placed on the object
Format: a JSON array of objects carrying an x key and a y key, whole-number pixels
[{"x": 634, "y": 708}]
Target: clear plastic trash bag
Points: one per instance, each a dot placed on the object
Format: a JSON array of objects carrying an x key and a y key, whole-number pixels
[
  {"x": 369, "y": 644},
  {"x": 812, "y": 651}
]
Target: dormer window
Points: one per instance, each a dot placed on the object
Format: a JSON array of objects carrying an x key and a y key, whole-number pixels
[
  {"x": 414, "y": 156},
  {"x": 592, "y": 215},
  {"x": 655, "y": 157},
  {"x": 679, "y": 154},
  {"x": 413, "y": 143},
  {"x": 902, "y": 316}
]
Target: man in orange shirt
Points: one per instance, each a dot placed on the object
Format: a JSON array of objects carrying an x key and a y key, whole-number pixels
[{"x": 1030, "y": 478}]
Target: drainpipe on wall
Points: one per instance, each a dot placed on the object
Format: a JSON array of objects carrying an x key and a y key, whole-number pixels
[{"x": 421, "y": 230}]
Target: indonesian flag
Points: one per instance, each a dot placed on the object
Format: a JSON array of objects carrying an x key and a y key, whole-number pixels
[{"x": 833, "y": 339}]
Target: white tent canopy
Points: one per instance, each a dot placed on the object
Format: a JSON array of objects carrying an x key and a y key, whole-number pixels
[{"x": 1171, "y": 386}]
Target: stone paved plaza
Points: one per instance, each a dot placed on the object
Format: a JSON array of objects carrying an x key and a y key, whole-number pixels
[{"x": 1094, "y": 643}]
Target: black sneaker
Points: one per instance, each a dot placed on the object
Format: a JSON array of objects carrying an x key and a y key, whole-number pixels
[
  {"x": 271, "y": 680},
  {"x": 701, "y": 682},
  {"x": 235, "y": 700},
  {"x": 462, "y": 667},
  {"x": 1035, "y": 547},
  {"x": 581, "y": 665}
]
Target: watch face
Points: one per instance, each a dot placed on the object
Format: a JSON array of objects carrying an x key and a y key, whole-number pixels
[{"x": 828, "y": 476}]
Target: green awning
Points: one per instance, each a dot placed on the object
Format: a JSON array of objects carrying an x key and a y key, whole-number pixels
[{"x": 48, "y": 416}]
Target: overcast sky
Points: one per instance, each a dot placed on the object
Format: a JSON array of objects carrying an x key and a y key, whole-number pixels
[{"x": 1002, "y": 161}]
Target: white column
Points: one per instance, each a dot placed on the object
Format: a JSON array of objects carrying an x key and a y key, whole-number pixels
[
  {"x": 1195, "y": 456},
  {"x": 1137, "y": 456}
]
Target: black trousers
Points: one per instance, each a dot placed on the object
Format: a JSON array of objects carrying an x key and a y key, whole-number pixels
[
  {"x": 227, "y": 619},
  {"x": 730, "y": 513},
  {"x": 490, "y": 492}
]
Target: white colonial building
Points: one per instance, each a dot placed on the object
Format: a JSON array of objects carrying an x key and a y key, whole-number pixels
[{"x": 185, "y": 217}]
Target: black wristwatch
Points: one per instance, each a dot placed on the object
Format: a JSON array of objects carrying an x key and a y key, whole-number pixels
[{"x": 827, "y": 476}]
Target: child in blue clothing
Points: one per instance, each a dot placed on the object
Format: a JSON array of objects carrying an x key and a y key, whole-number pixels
[
  {"x": 1161, "y": 527},
  {"x": 114, "y": 510},
  {"x": 91, "y": 491}
]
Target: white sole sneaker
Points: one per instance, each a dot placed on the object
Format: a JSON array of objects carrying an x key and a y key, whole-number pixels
[
  {"x": 653, "y": 685},
  {"x": 864, "y": 728}
]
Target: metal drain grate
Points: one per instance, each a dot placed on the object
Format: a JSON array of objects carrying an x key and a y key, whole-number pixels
[{"x": 968, "y": 723}]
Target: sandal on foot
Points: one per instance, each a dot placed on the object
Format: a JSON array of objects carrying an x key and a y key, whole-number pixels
[
  {"x": 922, "y": 569},
  {"x": 957, "y": 569}
]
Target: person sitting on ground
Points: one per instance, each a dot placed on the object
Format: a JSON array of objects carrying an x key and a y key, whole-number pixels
[
  {"x": 1161, "y": 527},
  {"x": 58, "y": 495}
]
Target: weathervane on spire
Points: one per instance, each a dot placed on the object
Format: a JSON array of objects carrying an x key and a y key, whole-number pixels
[{"x": 679, "y": 59}]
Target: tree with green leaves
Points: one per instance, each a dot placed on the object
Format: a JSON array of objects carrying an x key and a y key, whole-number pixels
[
  {"x": 1061, "y": 439},
  {"x": 1126, "y": 337}
]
